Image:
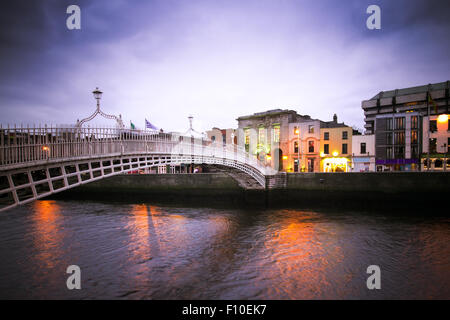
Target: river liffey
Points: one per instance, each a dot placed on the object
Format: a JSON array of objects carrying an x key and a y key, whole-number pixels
[{"x": 144, "y": 251}]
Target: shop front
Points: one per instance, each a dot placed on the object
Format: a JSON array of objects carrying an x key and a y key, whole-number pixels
[
  {"x": 335, "y": 164},
  {"x": 362, "y": 164},
  {"x": 397, "y": 164}
]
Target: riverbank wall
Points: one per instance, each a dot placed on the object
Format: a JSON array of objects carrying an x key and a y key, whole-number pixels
[{"x": 387, "y": 190}]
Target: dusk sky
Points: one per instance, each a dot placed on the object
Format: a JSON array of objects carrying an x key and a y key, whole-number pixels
[{"x": 217, "y": 60}]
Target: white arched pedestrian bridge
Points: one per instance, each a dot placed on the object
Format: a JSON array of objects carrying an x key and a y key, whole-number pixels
[{"x": 37, "y": 162}]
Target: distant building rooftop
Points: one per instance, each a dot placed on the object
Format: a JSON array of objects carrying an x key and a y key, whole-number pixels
[
  {"x": 411, "y": 90},
  {"x": 272, "y": 112},
  {"x": 332, "y": 124},
  {"x": 275, "y": 112}
]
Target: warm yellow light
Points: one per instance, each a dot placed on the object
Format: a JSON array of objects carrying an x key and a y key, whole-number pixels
[
  {"x": 269, "y": 157},
  {"x": 335, "y": 154},
  {"x": 297, "y": 131},
  {"x": 45, "y": 148},
  {"x": 442, "y": 118},
  {"x": 336, "y": 161},
  {"x": 285, "y": 157},
  {"x": 322, "y": 154}
]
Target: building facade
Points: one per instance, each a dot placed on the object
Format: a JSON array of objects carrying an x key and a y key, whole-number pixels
[
  {"x": 335, "y": 146},
  {"x": 304, "y": 147},
  {"x": 222, "y": 136},
  {"x": 396, "y": 118},
  {"x": 397, "y": 141},
  {"x": 270, "y": 136},
  {"x": 363, "y": 153},
  {"x": 435, "y": 141}
]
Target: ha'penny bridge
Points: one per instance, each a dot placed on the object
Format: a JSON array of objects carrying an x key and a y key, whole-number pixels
[{"x": 36, "y": 162}]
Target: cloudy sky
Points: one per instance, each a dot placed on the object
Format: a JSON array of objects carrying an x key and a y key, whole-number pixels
[{"x": 214, "y": 59}]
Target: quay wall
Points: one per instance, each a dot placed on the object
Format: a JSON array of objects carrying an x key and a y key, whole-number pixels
[
  {"x": 387, "y": 190},
  {"x": 366, "y": 190}
]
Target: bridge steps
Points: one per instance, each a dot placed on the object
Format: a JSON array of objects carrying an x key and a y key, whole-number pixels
[{"x": 244, "y": 180}]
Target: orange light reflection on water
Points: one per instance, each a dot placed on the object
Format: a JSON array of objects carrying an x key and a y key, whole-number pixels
[
  {"x": 48, "y": 235},
  {"x": 302, "y": 257}
]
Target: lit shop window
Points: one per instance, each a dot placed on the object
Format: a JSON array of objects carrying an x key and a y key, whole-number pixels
[
  {"x": 261, "y": 135},
  {"x": 247, "y": 139},
  {"x": 276, "y": 134}
]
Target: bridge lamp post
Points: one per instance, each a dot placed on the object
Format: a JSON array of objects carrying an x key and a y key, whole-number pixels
[
  {"x": 46, "y": 150},
  {"x": 97, "y": 95}
]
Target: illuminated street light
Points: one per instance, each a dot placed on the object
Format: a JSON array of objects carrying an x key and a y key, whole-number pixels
[
  {"x": 335, "y": 154},
  {"x": 442, "y": 118},
  {"x": 297, "y": 132}
]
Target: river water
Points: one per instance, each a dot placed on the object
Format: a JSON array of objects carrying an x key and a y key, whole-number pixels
[{"x": 144, "y": 251}]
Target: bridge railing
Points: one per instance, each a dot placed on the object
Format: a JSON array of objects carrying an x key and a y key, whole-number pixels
[{"x": 21, "y": 145}]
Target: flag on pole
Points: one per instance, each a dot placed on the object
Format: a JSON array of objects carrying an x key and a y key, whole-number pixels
[
  {"x": 148, "y": 125},
  {"x": 133, "y": 127}
]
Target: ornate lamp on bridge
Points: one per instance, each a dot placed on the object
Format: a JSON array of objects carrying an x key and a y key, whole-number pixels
[{"x": 98, "y": 95}]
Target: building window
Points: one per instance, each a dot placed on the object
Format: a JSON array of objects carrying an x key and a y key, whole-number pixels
[
  {"x": 344, "y": 148},
  {"x": 433, "y": 125},
  {"x": 414, "y": 122},
  {"x": 213, "y": 138},
  {"x": 326, "y": 148},
  {"x": 400, "y": 123},
  {"x": 399, "y": 138},
  {"x": 311, "y": 129},
  {"x": 276, "y": 134},
  {"x": 389, "y": 138},
  {"x": 414, "y": 136},
  {"x": 399, "y": 152},
  {"x": 363, "y": 147},
  {"x": 389, "y": 124},
  {"x": 224, "y": 139},
  {"x": 326, "y": 136},
  {"x": 414, "y": 151},
  {"x": 296, "y": 147},
  {"x": 432, "y": 145},
  {"x": 389, "y": 154},
  {"x": 261, "y": 135},
  {"x": 310, "y": 146},
  {"x": 247, "y": 139},
  {"x": 448, "y": 147},
  {"x": 344, "y": 135}
]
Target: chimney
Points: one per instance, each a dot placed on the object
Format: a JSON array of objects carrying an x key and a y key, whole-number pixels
[{"x": 335, "y": 118}]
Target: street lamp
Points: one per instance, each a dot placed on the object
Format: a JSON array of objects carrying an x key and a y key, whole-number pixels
[
  {"x": 97, "y": 95},
  {"x": 297, "y": 132}
]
